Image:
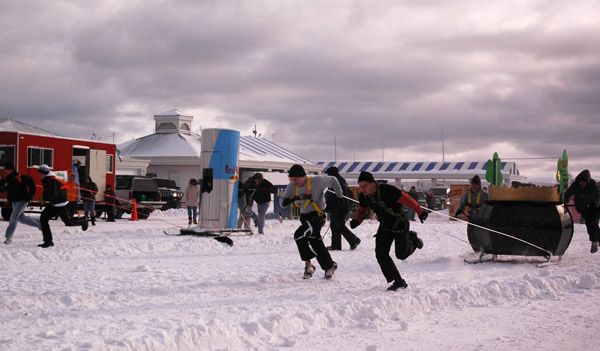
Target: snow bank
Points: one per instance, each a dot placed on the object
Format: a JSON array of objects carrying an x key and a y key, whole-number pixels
[{"x": 127, "y": 286}]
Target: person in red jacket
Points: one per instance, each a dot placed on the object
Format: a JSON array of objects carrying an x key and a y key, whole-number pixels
[{"x": 387, "y": 202}]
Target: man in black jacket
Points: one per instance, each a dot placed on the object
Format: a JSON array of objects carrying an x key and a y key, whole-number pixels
[
  {"x": 55, "y": 196},
  {"x": 337, "y": 208},
  {"x": 387, "y": 202},
  {"x": 587, "y": 202},
  {"x": 20, "y": 189},
  {"x": 262, "y": 196}
]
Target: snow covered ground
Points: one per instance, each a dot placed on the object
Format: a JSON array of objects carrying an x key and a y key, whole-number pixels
[{"x": 127, "y": 286}]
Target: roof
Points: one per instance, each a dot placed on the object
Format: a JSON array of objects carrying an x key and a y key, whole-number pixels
[
  {"x": 162, "y": 145},
  {"x": 10, "y": 125},
  {"x": 182, "y": 145},
  {"x": 173, "y": 112},
  {"x": 417, "y": 169}
]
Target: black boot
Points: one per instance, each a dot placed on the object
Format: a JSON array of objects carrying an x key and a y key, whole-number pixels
[
  {"x": 418, "y": 242},
  {"x": 398, "y": 284},
  {"x": 46, "y": 244}
]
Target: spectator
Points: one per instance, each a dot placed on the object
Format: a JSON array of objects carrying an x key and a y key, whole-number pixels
[
  {"x": 192, "y": 199},
  {"x": 262, "y": 196},
  {"x": 89, "y": 189},
  {"x": 109, "y": 203}
]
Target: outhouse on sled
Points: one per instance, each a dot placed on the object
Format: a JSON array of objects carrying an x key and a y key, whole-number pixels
[{"x": 533, "y": 222}]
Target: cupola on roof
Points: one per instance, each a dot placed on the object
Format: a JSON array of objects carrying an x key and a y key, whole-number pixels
[{"x": 173, "y": 122}]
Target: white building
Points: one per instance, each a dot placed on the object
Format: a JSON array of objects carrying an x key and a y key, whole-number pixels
[{"x": 173, "y": 152}]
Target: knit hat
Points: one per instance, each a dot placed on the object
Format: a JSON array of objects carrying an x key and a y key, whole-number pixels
[
  {"x": 296, "y": 171},
  {"x": 44, "y": 169},
  {"x": 366, "y": 177},
  {"x": 476, "y": 180},
  {"x": 258, "y": 176},
  {"x": 332, "y": 171}
]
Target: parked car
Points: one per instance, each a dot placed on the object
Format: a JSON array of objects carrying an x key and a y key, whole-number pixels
[
  {"x": 169, "y": 192},
  {"x": 143, "y": 189},
  {"x": 421, "y": 199},
  {"x": 440, "y": 198}
]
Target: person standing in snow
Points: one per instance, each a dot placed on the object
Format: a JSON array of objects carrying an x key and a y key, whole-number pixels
[
  {"x": 89, "y": 189},
  {"x": 387, "y": 201},
  {"x": 587, "y": 202},
  {"x": 338, "y": 208},
  {"x": 192, "y": 198},
  {"x": 306, "y": 192},
  {"x": 20, "y": 189},
  {"x": 472, "y": 199},
  {"x": 245, "y": 201},
  {"x": 110, "y": 201},
  {"x": 262, "y": 196},
  {"x": 55, "y": 196}
]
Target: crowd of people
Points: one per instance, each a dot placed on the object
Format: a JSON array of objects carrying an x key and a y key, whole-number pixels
[
  {"x": 316, "y": 198},
  {"x": 61, "y": 199}
]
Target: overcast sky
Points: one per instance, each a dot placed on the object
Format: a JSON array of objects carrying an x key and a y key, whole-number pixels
[{"x": 374, "y": 78}]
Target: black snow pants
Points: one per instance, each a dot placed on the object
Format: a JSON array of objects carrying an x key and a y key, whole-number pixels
[
  {"x": 50, "y": 212},
  {"x": 309, "y": 241},
  {"x": 405, "y": 245},
  {"x": 339, "y": 229},
  {"x": 591, "y": 217}
]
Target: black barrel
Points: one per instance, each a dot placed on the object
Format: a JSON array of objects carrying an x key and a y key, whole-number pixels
[{"x": 545, "y": 224}]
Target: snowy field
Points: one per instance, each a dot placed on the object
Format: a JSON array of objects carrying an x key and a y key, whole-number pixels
[{"x": 127, "y": 286}]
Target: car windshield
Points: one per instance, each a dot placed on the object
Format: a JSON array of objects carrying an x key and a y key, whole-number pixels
[{"x": 166, "y": 183}]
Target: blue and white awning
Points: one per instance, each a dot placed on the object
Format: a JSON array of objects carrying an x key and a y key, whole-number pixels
[{"x": 417, "y": 169}]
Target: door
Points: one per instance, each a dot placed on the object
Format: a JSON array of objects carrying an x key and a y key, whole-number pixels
[{"x": 97, "y": 171}]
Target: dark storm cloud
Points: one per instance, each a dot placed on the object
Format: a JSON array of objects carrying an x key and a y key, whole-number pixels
[{"x": 519, "y": 78}]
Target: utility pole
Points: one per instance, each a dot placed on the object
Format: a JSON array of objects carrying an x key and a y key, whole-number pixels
[
  {"x": 443, "y": 151},
  {"x": 335, "y": 148}
]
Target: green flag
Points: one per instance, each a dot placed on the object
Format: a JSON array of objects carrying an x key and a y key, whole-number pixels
[
  {"x": 562, "y": 172},
  {"x": 493, "y": 173}
]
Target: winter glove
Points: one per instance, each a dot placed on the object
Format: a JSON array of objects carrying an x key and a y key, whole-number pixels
[
  {"x": 423, "y": 216},
  {"x": 354, "y": 223},
  {"x": 286, "y": 201}
]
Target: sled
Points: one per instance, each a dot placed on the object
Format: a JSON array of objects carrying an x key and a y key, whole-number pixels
[{"x": 533, "y": 228}]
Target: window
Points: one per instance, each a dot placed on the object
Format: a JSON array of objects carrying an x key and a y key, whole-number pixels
[
  {"x": 37, "y": 156},
  {"x": 109, "y": 163},
  {"x": 7, "y": 154},
  {"x": 166, "y": 125}
]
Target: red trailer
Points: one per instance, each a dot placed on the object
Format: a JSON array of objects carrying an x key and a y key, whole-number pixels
[{"x": 27, "y": 151}]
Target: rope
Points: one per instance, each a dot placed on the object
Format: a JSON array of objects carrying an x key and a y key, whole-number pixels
[
  {"x": 475, "y": 225},
  {"x": 490, "y": 230}
]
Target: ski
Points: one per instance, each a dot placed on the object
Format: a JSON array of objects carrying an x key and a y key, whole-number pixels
[{"x": 482, "y": 258}]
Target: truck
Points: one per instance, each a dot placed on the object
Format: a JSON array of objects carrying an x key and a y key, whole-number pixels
[
  {"x": 28, "y": 150},
  {"x": 141, "y": 188}
]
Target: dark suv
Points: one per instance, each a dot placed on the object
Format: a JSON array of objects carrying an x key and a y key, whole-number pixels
[
  {"x": 169, "y": 193},
  {"x": 143, "y": 189}
]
